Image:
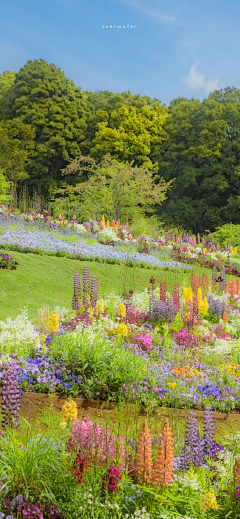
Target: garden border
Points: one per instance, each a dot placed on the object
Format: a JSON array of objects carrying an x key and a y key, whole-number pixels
[{"x": 84, "y": 403}]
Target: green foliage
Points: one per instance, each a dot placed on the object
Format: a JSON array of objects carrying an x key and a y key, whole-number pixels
[
  {"x": 113, "y": 188},
  {"x": 98, "y": 360},
  {"x": 46, "y": 100},
  {"x": 32, "y": 469},
  {"x": 4, "y": 188},
  {"x": 202, "y": 154},
  {"x": 228, "y": 233}
]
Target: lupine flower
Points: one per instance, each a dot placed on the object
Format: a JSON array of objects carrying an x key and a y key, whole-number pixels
[
  {"x": 144, "y": 456},
  {"x": 122, "y": 330},
  {"x": 86, "y": 285},
  {"x": 192, "y": 451},
  {"x": 163, "y": 470},
  {"x": 209, "y": 432},
  {"x": 11, "y": 393},
  {"x": 121, "y": 310}
]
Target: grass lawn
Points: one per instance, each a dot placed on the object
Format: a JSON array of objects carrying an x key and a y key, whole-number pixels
[{"x": 48, "y": 280}]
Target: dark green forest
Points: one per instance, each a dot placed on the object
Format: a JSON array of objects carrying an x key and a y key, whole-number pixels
[{"x": 46, "y": 122}]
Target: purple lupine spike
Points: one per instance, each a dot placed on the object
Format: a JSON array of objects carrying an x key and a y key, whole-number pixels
[
  {"x": 74, "y": 303},
  {"x": 162, "y": 309},
  {"x": 193, "y": 440},
  {"x": 86, "y": 285},
  {"x": 156, "y": 309},
  {"x": 210, "y": 300},
  {"x": 77, "y": 285},
  {"x": 11, "y": 393},
  {"x": 214, "y": 274},
  {"x": 185, "y": 458},
  {"x": 209, "y": 432},
  {"x": 93, "y": 297}
]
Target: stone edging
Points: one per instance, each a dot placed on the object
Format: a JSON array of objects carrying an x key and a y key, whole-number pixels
[{"x": 84, "y": 403}]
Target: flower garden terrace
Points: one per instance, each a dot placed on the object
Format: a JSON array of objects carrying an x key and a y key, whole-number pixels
[{"x": 154, "y": 348}]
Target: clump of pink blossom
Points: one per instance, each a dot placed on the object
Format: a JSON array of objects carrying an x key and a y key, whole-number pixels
[
  {"x": 144, "y": 340},
  {"x": 94, "y": 441},
  {"x": 186, "y": 339}
]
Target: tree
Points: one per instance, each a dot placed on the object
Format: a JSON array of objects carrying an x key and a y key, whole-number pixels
[
  {"x": 113, "y": 188},
  {"x": 15, "y": 141},
  {"x": 6, "y": 81},
  {"x": 202, "y": 153},
  {"x": 4, "y": 188},
  {"x": 128, "y": 127},
  {"x": 45, "y": 99}
]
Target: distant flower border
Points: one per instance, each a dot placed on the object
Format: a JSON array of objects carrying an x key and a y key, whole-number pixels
[{"x": 79, "y": 257}]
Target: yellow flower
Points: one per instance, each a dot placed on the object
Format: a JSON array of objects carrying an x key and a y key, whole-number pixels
[
  {"x": 53, "y": 322},
  {"x": 99, "y": 307},
  {"x": 42, "y": 337},
  {"x": 63, "y": 424},
  {"x": 172, "y": 384},
  {"x": 122, "y": 330},
  {"x": 208, "y": 501},
  {"x": 60, "y": 352},
  {"x": 90, "y": 310},
  {"x": 103, "y": 220},
  {"x": 121, "y": 311},
  {"x": 69, "y": 410}
]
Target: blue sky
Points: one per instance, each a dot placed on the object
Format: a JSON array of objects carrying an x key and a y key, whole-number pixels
[{"x": 178, "y": 48}]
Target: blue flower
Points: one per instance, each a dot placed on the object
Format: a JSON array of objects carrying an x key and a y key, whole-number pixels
[{"x": 67, "y": 386}]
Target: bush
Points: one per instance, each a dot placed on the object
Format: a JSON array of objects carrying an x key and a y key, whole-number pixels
[{"x": 228, "y": 233}]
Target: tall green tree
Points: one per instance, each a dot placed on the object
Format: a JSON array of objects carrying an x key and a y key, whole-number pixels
[
  {"x": 128, "y": 127},
  {"x": 46, "y": 100},
  {"x": 202, "y": 153},
  {"x": 15, "y": 144}
]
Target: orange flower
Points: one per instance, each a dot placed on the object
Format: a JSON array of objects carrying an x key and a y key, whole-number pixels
[
  {"x": 163, "y": 473},
  {"x": 144, "y": 456}
]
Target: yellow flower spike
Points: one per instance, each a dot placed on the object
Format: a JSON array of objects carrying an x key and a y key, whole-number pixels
[
  {"x": 205, "y": 306},
  {"x": 121, "y": 311},
  {"x": 103, "y": 220},
  {"x": 199, "y": 296},
  {"x": 69, "y": 410},
  {"x": 122, "y": 330},
  {"x": 53, "y": 322},
  {"x": 108, "y": 224}
]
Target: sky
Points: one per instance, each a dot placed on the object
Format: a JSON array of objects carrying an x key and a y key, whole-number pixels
[{"x": 172, "y": 48}]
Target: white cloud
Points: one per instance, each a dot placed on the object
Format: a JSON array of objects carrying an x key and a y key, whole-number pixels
[
  {"x": 195, "y": 79},
  {"x": 152, "y": 13}
]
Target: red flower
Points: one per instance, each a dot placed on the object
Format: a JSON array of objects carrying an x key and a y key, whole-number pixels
[
  {"x": 79, "y": 466},
  {"x": 111, "y": 479},
  {"x": 152, "y": 280}
]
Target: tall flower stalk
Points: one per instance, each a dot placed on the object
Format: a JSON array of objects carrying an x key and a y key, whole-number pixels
[
  {"x": 11, "y": 393},
  {"x": 163, "y": 473},
  {"x": 144, "y": 456}
]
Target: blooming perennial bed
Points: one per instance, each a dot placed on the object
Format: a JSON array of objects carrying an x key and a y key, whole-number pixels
[{"x": 156, "y": 348}]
